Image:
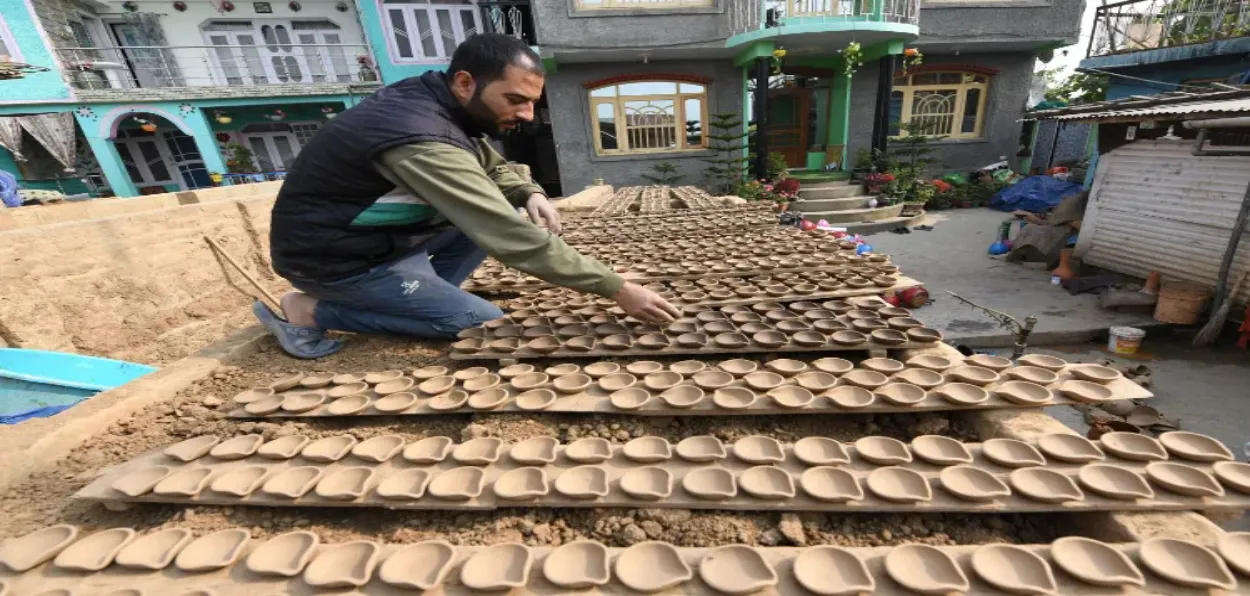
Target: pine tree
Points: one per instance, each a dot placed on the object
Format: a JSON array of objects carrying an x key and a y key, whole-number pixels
[
  {"x": 910, "y": 156},
  {"x": 665, "y": 174},
  {"x": 725, "y": 136}
]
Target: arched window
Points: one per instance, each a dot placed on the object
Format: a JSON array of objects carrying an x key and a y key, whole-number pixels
[
  {"x": 946, "y": 104},
  {"x": 649, "y": 117}
]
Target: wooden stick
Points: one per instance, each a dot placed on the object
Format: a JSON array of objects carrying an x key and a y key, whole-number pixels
[{"x": 221, "y": 251}]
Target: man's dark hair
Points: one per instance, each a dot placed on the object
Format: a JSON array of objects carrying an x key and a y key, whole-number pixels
[{"x": 488, "y": 55}]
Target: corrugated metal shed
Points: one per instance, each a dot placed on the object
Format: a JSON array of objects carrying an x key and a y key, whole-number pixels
[
  {"x": 1232, "y": 106},
  {"x": 1156, "y": 207},
  {"x": 1180, "y": 105}
]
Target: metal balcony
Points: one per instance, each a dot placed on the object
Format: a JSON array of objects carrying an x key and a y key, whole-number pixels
[
  {"x": 751, "y": 15},
  {"x": 509, "y": 17},
  {"x": 1135, "y": 25},
  {"x": 147, "y": 67}
]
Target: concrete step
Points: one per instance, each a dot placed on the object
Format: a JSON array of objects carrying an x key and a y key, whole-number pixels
[
  {"x": 849, "y": 216},
  {"x": 860, "y": 202},
  {"x": 873, "y": 227},
  {"x": 840, "y": 191},
  {"x": 826, "y": 184}
]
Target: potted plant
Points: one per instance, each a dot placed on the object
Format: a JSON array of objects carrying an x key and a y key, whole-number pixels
[{"x": 863, "y": 165}]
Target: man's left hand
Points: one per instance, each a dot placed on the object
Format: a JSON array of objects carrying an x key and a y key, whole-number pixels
[{"x": 541, "y": 210}]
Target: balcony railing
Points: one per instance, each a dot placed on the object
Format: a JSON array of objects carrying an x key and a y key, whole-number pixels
[
  {"x": 619, "y": 4},
  {"x": 509, "y": 17},
  {"x": 1133, "y": 25},
  {"x": 745, "y": 15},
  {"x": 133, "y": 67}
]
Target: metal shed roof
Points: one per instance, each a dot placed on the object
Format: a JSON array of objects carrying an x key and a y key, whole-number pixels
[{"x": 1146, "y": 107}]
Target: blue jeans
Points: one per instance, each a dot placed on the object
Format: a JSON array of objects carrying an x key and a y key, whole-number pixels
[{"x": 418, "y": 295}]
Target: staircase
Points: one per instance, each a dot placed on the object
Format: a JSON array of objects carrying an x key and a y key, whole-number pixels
[{"x": 844, "y": 204}]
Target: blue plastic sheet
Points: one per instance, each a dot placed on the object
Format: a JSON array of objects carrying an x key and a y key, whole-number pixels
[
  {"x": 1035, "y": 193},
  {"x": 39, "y": 413},
  {"x": 8, "y": 190}
]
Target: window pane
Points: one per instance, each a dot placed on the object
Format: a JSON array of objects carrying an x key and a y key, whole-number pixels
[
  {"x": 467, "y": 23},
  {"x": 979, "y": 79},
  {"x": 896, "y": 113},
  {"x": 286, "y": 152},
  {"x": 156, "y": 164},
  {"x": 950, "y": 78},
  {"x": 609, "y": 91},
  {"x": 129, "y": 161},
  {"x": 972, "y": 104},
  {"x": 225, "y": 60},
  {"x": 933, "y": 112},
  {"x": 691, "y": 88},
  {"x": 260, "y": 154},
  {"x": 399, "y": 32},
  {"x": 426, "y": 34},
  {"x": 694, "y": 122},
  {"x": 900, "y": 81},
  {"x": 252, "y": 64},
  {"x": 449, "y": 35},
  {"x": 649, "y": 88},
  {"x": 606, "y": 114},
  {"x": 270, "y": 40},
  {"x": 284, "y": 37},
  {"x": 651, "y": 124},
  {"x": 292, "y": 69},
  {"x": 925, "y": 79}
]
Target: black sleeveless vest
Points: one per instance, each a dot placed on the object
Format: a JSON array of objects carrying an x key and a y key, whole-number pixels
[{"x": 334, "y": 179}]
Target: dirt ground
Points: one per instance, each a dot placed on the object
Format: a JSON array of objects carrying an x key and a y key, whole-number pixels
[{"x": 45, "y": 499}]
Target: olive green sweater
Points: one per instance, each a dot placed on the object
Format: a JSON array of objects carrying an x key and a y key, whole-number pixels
[{"x": 480, "y": 195}]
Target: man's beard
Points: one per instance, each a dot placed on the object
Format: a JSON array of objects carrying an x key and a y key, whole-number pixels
[{"x": 482, "y": 116}]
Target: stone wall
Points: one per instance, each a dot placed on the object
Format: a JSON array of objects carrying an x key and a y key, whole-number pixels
[
  {"x": 140, "y": 285},
  {"x": 567, "y": 98},
  {"x": 1004, "y": 106}
]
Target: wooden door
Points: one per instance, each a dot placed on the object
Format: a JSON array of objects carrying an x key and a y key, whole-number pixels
[{"x": 788, "y": 124}]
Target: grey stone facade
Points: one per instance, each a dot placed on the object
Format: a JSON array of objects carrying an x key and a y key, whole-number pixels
[
  {"x": 570, "y": 108},
  {"x": 1019, "y": 24},
  {"x": 564, "y": 30},
  {"x": 1005, "y": 102}
]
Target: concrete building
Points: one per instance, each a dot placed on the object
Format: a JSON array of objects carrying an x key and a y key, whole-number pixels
[
  {"x": 168, "y": 95},
  {"x": 636, "y": 81},
  {"x": 150, "y": 96}
]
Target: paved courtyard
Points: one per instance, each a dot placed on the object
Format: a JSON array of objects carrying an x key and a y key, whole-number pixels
[{"x": 954, "y": 256}]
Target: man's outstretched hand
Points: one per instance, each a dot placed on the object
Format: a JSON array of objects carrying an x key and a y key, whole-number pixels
[
  {"x": 645, "y": 305},
  {"x": 541, "y": 210}
]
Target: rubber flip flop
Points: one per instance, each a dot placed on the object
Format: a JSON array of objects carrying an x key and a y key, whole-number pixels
[{"x": 308, "y": 343}]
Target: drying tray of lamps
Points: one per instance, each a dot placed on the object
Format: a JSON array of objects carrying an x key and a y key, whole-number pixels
[
  {"x": 694, "y": 388},
  {"x": 932, "y": 473},
  {"x": 234, "y": 564},
  {"x": 759, "y": 328}
]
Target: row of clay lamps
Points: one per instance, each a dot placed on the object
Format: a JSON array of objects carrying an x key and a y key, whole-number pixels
[{"x": 1068, "y": 565}]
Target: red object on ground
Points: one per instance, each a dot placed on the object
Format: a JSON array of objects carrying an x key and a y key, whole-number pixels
[
  {"x": 891, "y": 299},
  {"x": 839, "y": 234},
  {"x": 807, "y": 226},
  {"x": 913, "y": 297},
  {"x": 1056, "y": 170}
]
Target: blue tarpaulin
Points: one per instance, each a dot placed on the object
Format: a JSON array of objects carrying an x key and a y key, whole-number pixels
[{"x": 1035, "y": 193}]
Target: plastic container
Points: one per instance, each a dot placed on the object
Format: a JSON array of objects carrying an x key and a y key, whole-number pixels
[
  {"x": 36, "y": 383},
  {"x": 1125, "y": 340},
  {"x": 1181, "y": 303}
]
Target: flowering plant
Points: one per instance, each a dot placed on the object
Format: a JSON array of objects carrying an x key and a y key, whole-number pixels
[
  {"x": 876, "y": 182},
  {"x": 759, "y": 190}
]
